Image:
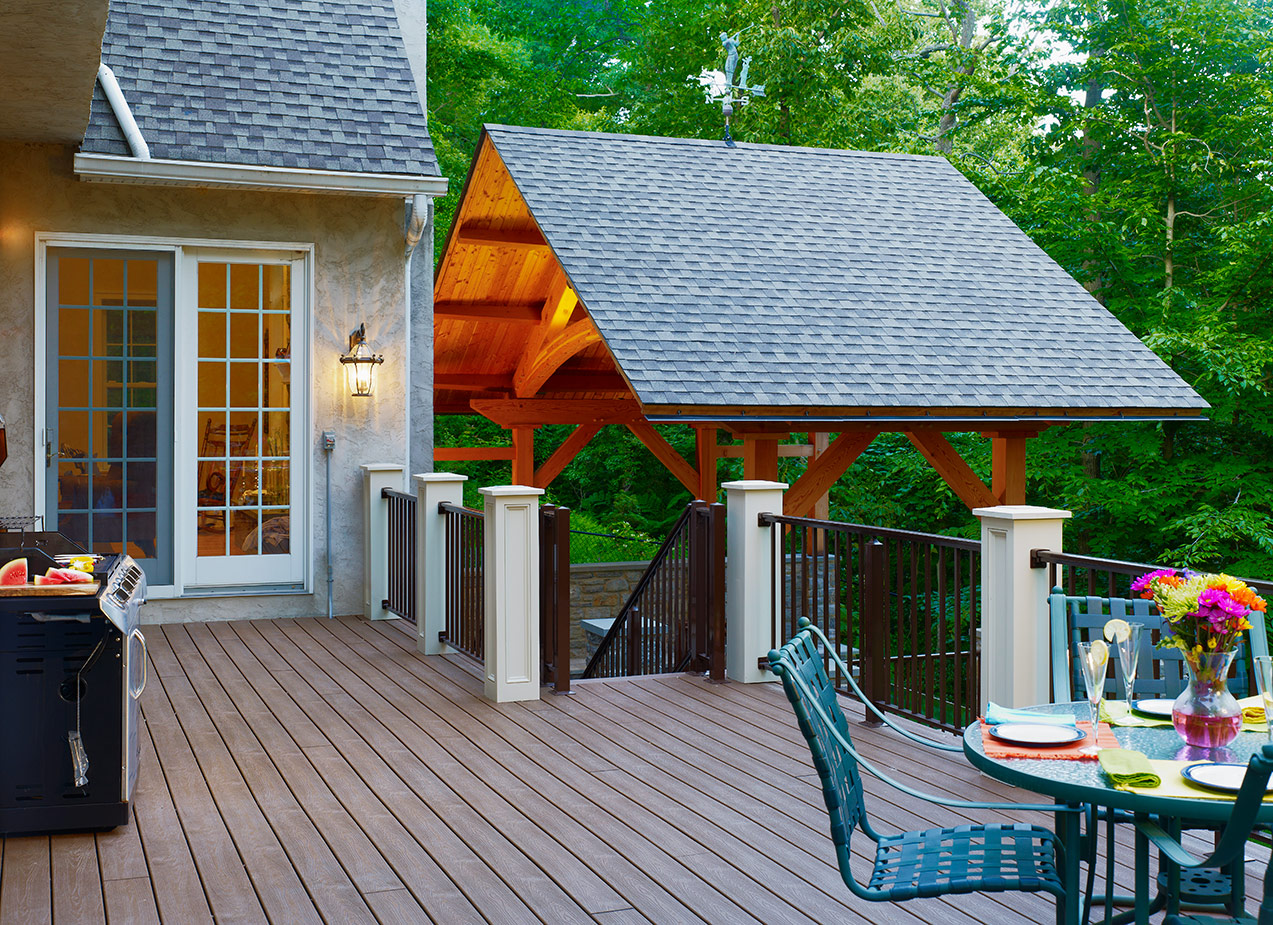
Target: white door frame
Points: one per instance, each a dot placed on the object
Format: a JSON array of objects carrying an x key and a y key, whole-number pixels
[{"x": 184, "y": 326}]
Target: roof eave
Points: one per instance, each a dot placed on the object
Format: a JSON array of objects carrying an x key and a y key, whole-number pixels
[
  {"x": 113, "y": 168},
  {"x": 972, "y": 418}
]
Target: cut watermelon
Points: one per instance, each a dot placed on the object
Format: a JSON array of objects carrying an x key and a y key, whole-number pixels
[
  {"x": 14, "y": 572},
  {"x": 42, "y": 580},
  {"x": 64, "y": 576}
]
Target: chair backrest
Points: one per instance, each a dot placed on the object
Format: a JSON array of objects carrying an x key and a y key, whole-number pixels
[
  {"x": 1160, "y": 672},
  {"x": 838, "y": 771}
]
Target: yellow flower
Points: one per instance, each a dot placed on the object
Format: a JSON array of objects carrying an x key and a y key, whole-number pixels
[{"x": 1211, "y": 643}]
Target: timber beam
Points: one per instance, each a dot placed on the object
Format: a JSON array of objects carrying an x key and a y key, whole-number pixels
[
  {"x": 532, "y": 412},
  {"x": 471, "y": 453},
  {"x": 579, "y": 381},
  {"x": 825, "y": 471},
  {"x": 487, "y": 310},
  {"x": 665, "y": 453},
  {"x": 522, "y": 238},
  {"x": 956, "y": 473},
  {"x": 1008, "y": 466}
]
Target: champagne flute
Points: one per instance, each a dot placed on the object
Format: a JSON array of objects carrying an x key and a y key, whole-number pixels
[
  {"x": 1264, "y": 684},
  {"x": 1128, "y": 655},
  {"x": 1094, "y": 659}
]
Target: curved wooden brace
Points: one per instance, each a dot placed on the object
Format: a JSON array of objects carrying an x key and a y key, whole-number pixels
[
  {"x": 824, "y": 471},
  {"x": 665, "y": 453},
  {"x": 956, "y": 473},
  {"x": 552, "y": 355},
  {"x": 562, "y": 456}
]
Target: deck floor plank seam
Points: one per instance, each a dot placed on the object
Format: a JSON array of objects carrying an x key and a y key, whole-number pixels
[
  {"x": 515, "y": 870},
  {"x": 543, "y": 777},
  {"x": 446, "y": 849}
]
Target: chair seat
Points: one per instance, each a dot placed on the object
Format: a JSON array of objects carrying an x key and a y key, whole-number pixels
[
  {"x": 1207, "y": 920},
  {"x": 966, "y": 859}
]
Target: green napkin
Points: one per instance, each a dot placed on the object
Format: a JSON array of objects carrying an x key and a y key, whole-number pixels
[{"x": 1128, "y": 768}]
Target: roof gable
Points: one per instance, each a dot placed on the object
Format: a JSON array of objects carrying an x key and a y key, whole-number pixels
[
  {"x": 765, "y": 276},
  {"x": 308, "y": 84}
]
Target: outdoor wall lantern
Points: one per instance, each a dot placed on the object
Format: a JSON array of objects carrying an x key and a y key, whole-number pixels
[{"x": 360, "y": 364}]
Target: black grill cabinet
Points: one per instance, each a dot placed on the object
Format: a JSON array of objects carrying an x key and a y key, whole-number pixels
[{"x": 56, "y": 653}]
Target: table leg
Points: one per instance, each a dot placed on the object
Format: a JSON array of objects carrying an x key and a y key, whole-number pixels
[{"x": 1067, "y": 830}]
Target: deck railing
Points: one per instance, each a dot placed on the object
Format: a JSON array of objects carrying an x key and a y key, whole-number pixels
[
  {"x": 554, "y": 597},
  {"x": 903, "y": 609},
  {"x": 401, "y": 553},
  {"x": 465, "y": 581},
  {"x": 1092, "y": 577},
  {"x": 674, "y": 619}
]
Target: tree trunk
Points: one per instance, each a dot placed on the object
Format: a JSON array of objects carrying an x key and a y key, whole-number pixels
[
  {"x": 1089, "y": 151},
  {"x": 1168, "y": 260}
]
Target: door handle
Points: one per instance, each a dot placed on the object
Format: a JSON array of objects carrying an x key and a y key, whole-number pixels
[{"x": 48, "y": 450}]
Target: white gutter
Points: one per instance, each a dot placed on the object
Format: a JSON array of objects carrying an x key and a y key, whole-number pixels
[
  {"x": 112, "y": 168},
  {"x": 123, "y": 114}
]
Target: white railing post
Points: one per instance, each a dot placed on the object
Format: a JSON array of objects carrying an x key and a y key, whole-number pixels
[
  {"x": 511, "y": 563},
  {"x": 431, "y": 490},
  {"x": 375, "y": 537},
  {"x": 1015, "y": 643},
  {"x": 749, "y": 572}
]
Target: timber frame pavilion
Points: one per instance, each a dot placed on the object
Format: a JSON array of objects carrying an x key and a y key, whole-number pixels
[{"x": 592, "y": 279}]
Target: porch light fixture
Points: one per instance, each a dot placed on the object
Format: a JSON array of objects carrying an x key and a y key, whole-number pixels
[{"x": 360, "y": 364}]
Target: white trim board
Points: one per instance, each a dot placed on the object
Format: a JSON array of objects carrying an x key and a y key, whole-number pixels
[{"x": 113, "y": 168}]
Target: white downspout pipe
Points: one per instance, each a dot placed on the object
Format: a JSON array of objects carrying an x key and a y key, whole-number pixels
[{"x": 123, "y": 115}]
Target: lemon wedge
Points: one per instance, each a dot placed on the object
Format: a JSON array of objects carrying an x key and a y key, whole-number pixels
[
  {"x": 1100, "y": 652},
  {"x": 82, "y": 564},
  {"x": 1117, "y": 630}
]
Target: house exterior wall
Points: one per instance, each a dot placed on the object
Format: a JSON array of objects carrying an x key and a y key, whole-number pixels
[{"x": 359, "y": 276}]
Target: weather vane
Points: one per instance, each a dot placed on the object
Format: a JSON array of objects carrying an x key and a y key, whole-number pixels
[{"x": 742, "y": 89}]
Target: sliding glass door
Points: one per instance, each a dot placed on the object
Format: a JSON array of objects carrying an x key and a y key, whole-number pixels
[{"x": 109, "y": 403}]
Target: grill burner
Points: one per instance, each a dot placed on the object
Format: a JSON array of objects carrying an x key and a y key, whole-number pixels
[{"x": 70, "y": 662}]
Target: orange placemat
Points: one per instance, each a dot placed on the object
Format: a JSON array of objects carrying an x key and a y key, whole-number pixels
[{"x": 996, "y": 749}]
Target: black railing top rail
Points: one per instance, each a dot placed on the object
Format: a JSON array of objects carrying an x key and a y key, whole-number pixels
[
  {"x": 394, "y": 493},
  {"x": 937, "y": 539},
  {"x": 664, "y": 551},
  {"x": 1042, "y": 558},
  {"x": 446, "y": 507}
]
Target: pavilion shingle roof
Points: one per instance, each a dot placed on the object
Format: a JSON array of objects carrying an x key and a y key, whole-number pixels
[
  {"x": 318, "y": 84},
  {"x": 771, "y": 275}
]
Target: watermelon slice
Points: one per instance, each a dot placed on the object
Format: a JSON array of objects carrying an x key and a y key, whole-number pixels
[
  {"x": 63, "y": 576},
  {"x": 14, "y": 572}
]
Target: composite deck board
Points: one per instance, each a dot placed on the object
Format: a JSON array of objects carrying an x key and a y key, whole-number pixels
[{"x": 307, "y": 770}]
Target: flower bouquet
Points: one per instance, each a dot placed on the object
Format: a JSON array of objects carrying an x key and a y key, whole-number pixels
[{"x": 1206, "y": 618}]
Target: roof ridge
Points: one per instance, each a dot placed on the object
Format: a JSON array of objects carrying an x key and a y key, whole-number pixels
[{"x": 494, "y": 127}]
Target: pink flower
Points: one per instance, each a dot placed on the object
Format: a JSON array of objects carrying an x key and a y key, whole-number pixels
[{"x": 1144, "y": 581}]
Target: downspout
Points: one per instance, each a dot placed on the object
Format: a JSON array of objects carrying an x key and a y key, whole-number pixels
[
  {"x": 123, "y": 115},
  {"x": 417, "y": 215}
]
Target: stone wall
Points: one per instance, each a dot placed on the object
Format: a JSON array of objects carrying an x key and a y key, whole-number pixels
[{"x": 597, "y": 591}]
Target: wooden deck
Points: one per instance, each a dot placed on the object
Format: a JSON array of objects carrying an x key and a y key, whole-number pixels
[{"x": 305, "y": 770}]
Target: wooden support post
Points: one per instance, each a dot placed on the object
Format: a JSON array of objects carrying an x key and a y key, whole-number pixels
[
  {"x": 1008, "y": 454},
  {"x": 760, "y": 457},
  {"x": 821, "y": 507},
  {"x": 524, "y": 456},
  {"x": 707, "y": 453}
]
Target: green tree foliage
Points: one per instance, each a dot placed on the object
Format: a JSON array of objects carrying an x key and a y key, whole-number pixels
[{"x": 1130, "y": 139}]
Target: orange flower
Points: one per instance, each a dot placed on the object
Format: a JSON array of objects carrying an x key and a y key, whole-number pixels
[{"x": 1173, "y": 581}]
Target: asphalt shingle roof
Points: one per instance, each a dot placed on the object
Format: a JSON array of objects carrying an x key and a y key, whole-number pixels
[
  {"x": 773, "y": 275},
  {"x": 318, "y": 84}
]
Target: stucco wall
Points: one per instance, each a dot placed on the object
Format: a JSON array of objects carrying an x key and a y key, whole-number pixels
[{"x": 359, "y": 276}]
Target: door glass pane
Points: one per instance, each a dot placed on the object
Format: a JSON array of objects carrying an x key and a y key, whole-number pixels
[
  {"x": 110, "y": 417},
  {"x": 244, "y": 456}
]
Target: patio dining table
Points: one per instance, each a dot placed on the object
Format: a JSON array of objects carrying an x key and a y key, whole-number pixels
[{"x": 1077, "y": 782}]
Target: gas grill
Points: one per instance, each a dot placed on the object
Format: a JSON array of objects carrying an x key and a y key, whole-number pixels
[{"x": 72, "y": 667}]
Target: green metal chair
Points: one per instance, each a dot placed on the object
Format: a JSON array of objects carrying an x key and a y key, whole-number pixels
[
  {"x": 1228, "y": 853},
  {"x": 909, "y": 865}
]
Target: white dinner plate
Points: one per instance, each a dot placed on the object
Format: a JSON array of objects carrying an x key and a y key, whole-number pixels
[
  {"x": 1037, "y": 734},
  {"x": 1160, "y": 706},
  {"x": 1216, "y": 775}
]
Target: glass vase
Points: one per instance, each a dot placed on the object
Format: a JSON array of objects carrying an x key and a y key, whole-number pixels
[{"x": 1205, "y": 714}]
